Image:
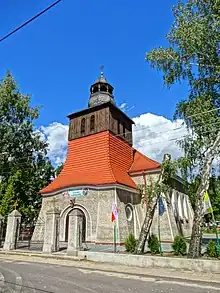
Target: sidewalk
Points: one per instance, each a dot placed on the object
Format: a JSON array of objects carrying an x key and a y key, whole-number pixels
[{"x": 96, "y": 267}]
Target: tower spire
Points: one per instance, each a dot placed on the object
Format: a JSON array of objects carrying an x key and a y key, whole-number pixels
[
  {"x": 101, "y": 91},
  {"x": 102, "y": 70}
]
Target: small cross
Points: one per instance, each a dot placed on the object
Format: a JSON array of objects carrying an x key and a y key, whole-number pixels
[{"x": 15, "y": 204}]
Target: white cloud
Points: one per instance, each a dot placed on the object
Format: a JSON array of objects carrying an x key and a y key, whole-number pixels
[
  {"x": 156, "y": 135},
  {"x": 56, "y": 135},
  {"x": 153, "y": 135}
]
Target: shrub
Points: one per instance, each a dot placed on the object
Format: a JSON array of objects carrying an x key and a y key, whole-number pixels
[
  {"x": 153, "y": 244},
  {"x": 179, "y": 245},
  {"x": 130, "y": 243},
  {"x": 212, "y": 250}
]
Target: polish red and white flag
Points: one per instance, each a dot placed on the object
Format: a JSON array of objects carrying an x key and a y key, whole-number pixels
[{"x": 114, "y": 212}]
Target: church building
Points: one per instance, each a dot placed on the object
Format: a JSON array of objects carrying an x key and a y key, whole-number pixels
[{"x": 103, "y": 168}]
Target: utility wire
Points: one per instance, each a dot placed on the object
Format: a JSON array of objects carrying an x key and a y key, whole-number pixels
[
  {"x": 183, "y": 125},
  {"x": 200, "y": 126},
  {"x": 149, "y": 142},
  {"x": 30, "y": 20},
  {"x": 165, "y": 123}
]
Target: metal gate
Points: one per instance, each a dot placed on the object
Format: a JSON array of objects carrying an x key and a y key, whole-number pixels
[
  {"x": 23, "y": 235},
  {"x": 3, "y": 227}
]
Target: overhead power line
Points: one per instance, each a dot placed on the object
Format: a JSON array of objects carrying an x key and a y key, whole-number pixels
[
  {"x": 30, "y": 20},
  {"x": 150, "y": 141}
]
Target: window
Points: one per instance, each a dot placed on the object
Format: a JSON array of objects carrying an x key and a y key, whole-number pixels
[
  {"x": 103, "y": 88},
  {"x": 83, "y": 125},
  {"x": 124, "y": 130},
  {"x": 129, "y": 213},
  {"x": 95, "y": 89},
  {"x": 118, "y": 127},
  {"x": 92, "y": 123}
]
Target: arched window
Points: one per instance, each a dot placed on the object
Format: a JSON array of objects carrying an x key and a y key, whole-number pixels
[
  {"x": 118, "y": 127},
  {"x": 95, "y": 89},
  {"x": 83, "y": 125},
  {"x": 124, "y": 130},
  {"x": 92, "y": 123},
  {"x": 103, "y": 88}
]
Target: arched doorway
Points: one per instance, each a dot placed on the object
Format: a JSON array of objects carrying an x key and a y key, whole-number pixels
[{"x": 82, "y": 225}]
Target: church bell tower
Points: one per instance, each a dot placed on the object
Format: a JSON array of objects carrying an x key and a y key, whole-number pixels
[
  {"x": 101, "y": 92},
  {"x": 102, "y": 114}
]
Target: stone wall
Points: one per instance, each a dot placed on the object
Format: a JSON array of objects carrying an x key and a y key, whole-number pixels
[
  {"x": 177, "y": 219},
  {"x": 151, "y": 177},
  {"x": 97, "y": 208}
]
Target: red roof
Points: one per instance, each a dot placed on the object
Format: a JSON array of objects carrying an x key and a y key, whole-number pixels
[
  {"x": 142, "y": 163},
  {"x": 99, "y": 159},
  {"x": 96, "y": 159}
]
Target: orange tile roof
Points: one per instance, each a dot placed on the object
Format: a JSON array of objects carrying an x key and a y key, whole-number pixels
[
  {"x": 142, "y": 163},
  {"x": 96, "y": 159}
]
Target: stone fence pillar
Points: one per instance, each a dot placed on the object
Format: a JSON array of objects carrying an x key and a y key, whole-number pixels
[
  {"x": 12, "y": 232},
  {"x": 75, "y": 232},
  {"x": 51, "y": 233},
  {"x": 1, "y": 229}
]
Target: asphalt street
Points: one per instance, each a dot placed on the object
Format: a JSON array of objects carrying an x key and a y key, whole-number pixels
[{"x": 28, "y": 277}]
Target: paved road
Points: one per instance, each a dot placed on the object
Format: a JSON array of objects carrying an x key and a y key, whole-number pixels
[{"x": 28, "y": 277}]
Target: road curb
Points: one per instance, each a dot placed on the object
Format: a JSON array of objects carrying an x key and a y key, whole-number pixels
[
  {"x": 213, "y": 278},
  {"x": 43, "y": 255},
  {"x": 177, "y": 263}
]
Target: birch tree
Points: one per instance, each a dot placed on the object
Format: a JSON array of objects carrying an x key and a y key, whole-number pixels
[
  {"x": 193, "y": 57},
  {"x": 151, "y": 194}
]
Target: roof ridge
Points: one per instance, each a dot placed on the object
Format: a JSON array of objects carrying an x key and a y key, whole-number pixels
[
  {"x": 146, "y": 157},
  {"x": 62, "y": 172},
  {"x": 109, "y": 161}
]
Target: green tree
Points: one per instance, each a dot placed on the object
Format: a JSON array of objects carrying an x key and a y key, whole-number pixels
[
  {"x": 214, "y": 193},
  {"x": 156, "y": 188},
  {"x": 24, "y": 167},
  {"x": 58, "y": 169},
  {"x": 10, "y": 195},
  {"x": 193, "y": 57}
]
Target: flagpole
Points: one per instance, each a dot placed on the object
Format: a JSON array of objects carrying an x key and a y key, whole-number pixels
[
  {"x": 216, "y": 232},
  {"x": 115, "y": 248},
  {"x": 159, "y": 227},
  {"x": 206, "y": 198},
  {"x": 115, "y": 227}
]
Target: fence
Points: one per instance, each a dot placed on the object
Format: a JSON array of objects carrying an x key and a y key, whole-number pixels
[{"x": 23, "y": 238}]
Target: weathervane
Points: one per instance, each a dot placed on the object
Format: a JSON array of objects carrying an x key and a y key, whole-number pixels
[{"x": 102, "y": 70}]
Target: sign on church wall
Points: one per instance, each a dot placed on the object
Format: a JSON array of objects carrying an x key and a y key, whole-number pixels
[{"x": 76, "y": 193}]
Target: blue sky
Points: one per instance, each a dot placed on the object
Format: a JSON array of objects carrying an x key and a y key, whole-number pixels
[{"x": 57, "y": 57}]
